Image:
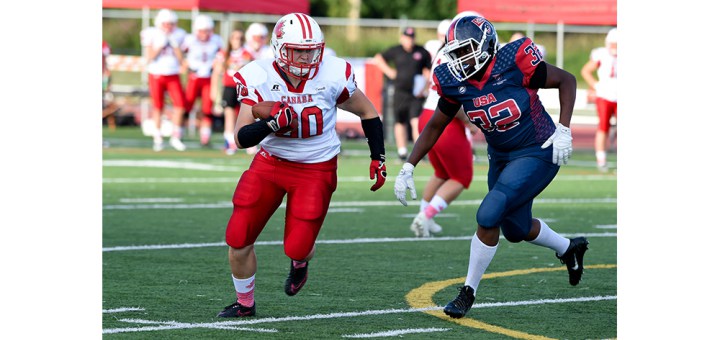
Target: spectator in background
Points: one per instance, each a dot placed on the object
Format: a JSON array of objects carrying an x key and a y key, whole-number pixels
[
  {"x": 409, "y": 75},
  {"x": 164, "y": 57},
  {"x": 109, "y": 107},
  {"x": 604, "y": 61},
  {"x": 201, "y": 49},
  {"x": 451, "y": 157},
  {"x": 230, "y": 61}
]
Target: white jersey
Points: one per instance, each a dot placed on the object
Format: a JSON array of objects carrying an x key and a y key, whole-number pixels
[
  {"x": 265, "y": 52},
  {"x": 433, "y": 97},
  {"x": 606, "y": 87},
  {"x": 313, "y": 138},
  {"x": 433, "y": 46},
  {"x": 165, "y": 63},
  {"x": 201, "y": 54}
]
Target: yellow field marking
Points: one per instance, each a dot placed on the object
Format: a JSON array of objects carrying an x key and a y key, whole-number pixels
[{"x": 421, "y": 297}]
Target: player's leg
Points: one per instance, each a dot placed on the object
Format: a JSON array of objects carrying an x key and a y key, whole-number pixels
[
  {"x": 206, "y": 109},
  {"x": 415, "y": 111},
  {"x": 401, "y": 111},
  {"x": 179, "y": 104},
  {"x": 156, "y": 86},
  {"x": 310, "y": 188},
  {"x": 601, "y": 135},
  {"x": 255, "y": 200},
  {"x": 230, "y": 108}
]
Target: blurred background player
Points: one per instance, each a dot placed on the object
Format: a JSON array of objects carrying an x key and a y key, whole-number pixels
[
  {"x": 433, "y": 45},
  {"x": 109, "y": 107},
  {"x": 256, "y": 41},
  {"x": 451, "y": 157},
  {"x": 411, "y": 66},
  {"x": 230, "y": 61},
  {"x": 201, "y": 49},
  {"x": 298, "y": 157},
  {"x": 604, "y": 61},
  {"x": 498, "y": 89},
  {"x": 164, "y": 58}
]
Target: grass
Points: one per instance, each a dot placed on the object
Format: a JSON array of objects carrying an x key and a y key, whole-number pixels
[{"x": 357, "y": 287}]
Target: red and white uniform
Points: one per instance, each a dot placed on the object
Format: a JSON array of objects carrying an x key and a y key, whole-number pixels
[
  {"x": 301, "y": 163},
  {"x": 105, "y": 48},
  {"x": 166, "y": 63},
  {"x": 451, "y": 155},
  {"x": 314, "y": 138},
  {"x": 200, "y": 56},
  {"x": 265, "y": 52},
  {"x": 606, "y": 87},
  {"x": 238, "y": 58}
]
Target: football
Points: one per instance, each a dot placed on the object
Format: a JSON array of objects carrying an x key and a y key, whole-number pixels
[{"x": 263, "y": 110}]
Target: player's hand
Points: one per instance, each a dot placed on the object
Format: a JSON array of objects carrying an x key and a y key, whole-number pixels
[
  {"x": 561, "y": 141},
  {"x": 378, "y": 172},
  {"x": 405, "y": 181},
  {"x": 283, "y": 118}
]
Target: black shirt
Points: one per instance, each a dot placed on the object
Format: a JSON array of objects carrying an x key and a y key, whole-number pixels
[{"x": 407, "y": 64}]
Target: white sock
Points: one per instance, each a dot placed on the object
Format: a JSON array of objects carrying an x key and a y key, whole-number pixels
[
  {"x": 423, "y": 205},
  {"x": 480, "y": 257},
  {"x": 402, "y": 151},
  {"x": 245, "y": 290},
  {"x": 601, "y": 157},
  {"x": 437, "y": 204},
  {"x": 229, "y": 137},
  {"x": 205, "y": 131},
  {"x": 550, "y": 239}
]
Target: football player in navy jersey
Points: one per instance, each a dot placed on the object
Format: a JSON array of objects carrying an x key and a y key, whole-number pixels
[{"x": 498, "y": 90}]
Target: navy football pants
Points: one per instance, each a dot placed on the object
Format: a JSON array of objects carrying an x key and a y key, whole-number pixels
[{"x": 513, "y": 184}]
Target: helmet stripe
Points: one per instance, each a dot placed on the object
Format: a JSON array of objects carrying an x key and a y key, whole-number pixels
[
  {"x": 302, "y": 24},
  {"x": 307, "y": 21},
  {"x": 451, "y": 31}
]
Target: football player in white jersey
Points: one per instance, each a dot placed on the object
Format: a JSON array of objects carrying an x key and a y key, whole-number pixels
[
  {"x": 201, "y": 49},
  {"x": 604, "y": 61},
  {"x": 164, "y": 58},
  {"x": 298, "y": 152}
]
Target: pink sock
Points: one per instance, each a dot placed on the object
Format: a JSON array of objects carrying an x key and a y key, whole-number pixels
[
  {"x": 299, "y": 264},
  {"x": 245, "y": 291},
  {"x": 430, "y": 211}
]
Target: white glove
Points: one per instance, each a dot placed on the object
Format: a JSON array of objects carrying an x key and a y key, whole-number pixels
[
  {"x": 561, "y": 141},
  {"x": 405, "y": 181}
]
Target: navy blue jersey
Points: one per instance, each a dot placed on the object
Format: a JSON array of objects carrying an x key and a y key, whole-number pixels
[{"x": 508, "y": 112}]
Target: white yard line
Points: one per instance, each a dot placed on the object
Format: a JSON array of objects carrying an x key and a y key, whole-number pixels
[
  {"x": 346, "y": 241},
  {"x": 123, "y": 310},
  {"x": 396, "y": 332},
  {"x": 167, "y": 325}
]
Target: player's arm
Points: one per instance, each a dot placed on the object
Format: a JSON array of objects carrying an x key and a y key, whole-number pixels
[
  {"x": 372, "y": 126},
  {"x": 566, "y": 84},
  {"x": 588, "y": 71}
]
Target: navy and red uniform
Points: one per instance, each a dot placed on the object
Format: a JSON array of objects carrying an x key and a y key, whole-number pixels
[{"x": 505, "y": 105}]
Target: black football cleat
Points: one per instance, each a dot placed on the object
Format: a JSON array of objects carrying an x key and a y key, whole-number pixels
[
  {"x": 296, "y": 279},
  {"x": 237, "y": 310},
  {"x": 461, "y": 305},
  {"x": 573, "y": 259}
]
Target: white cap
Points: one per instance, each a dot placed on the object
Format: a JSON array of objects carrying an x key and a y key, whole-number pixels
[
  {"x": 443, "y": 26},
  {"x": 165, "y": 15},
  {"x": 203, "y": 22},
  {"x": 611, "y": 36},
  {"x": 256, "y": 29},
  {"x": 467, "y": 14}
]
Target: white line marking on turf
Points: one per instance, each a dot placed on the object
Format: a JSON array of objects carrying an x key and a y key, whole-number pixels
[
  {"x": 340, "y": 179},
  {"x": 169, "y": 164},
  {"x": 123, "y": 309},
  {"x": 606, "y": 226},
  {"x": 151, "y": 200},
  {"x": 346, "y": 241},
  {"x": 178, "y": 325},
  {"x": 227, "y": 205},
  {"x": 396, "y": 332}
]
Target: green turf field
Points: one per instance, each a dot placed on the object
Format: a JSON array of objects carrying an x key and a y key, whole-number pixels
[{"x": 166, "y": 275}]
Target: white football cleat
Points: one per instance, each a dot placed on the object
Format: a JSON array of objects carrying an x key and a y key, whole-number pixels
[
  {"x": 421, "y": 225},
  {"x": 177, "y": 144},
  {"x": 158, "y": 144},
  {"x": 434, "y": 227}
]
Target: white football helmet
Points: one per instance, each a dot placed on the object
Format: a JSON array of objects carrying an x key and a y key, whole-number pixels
[
  {"x": 298, "y": 44},
  {"x": 165, "y": 15},
  {"x": 203, "y": 22}
]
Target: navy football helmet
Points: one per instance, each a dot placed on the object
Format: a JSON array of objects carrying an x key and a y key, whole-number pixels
[{"x": 472, "y": 43}]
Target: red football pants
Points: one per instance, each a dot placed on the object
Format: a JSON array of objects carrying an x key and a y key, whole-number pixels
[
  {"x": 158, "y": 85},
  {"x": 451, "y": 156},
  {"x": 260, "y": 191}
]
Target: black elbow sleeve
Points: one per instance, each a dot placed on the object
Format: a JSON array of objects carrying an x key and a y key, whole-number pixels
[
  {"x": 252, "y": 134},
  {"x": 373, "y": 129}
]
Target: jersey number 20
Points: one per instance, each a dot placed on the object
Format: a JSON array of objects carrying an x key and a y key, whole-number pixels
[{"x": 311, "y": 124}]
